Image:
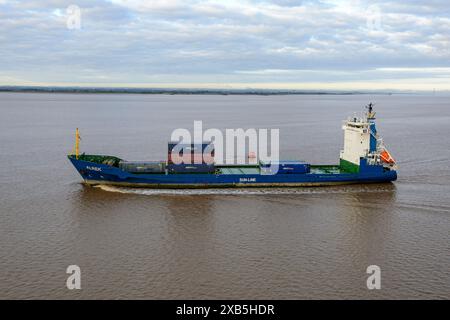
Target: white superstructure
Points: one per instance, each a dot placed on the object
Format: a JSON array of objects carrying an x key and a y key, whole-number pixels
[
  {"x": 356, "y": 140},
  {"x": 361, "y": 140}
]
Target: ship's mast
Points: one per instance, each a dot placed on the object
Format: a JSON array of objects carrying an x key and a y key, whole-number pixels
[
  {"x": 77, "y": 143},
  {"x": 370, "y": 112}
]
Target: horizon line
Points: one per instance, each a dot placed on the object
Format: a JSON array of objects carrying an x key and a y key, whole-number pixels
[{"x": 208, "y": 89}]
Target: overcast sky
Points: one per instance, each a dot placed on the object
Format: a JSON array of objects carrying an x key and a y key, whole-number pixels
[{"x": 229, "y": 44}]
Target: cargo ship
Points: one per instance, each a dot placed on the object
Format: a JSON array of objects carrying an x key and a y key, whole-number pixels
[{"x": 363, "y": 159}]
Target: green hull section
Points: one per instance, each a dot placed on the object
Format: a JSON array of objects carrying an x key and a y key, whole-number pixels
[{"x": 347, "y": 166}]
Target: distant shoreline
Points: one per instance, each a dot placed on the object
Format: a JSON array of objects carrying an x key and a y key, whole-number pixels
[{"x": 94, "y": 90}]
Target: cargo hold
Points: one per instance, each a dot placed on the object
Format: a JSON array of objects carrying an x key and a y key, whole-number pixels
[
  {"x": 143, "y": 166},
  {"x": 284, "y": 167},
  {"x": 190, "y": 168}
]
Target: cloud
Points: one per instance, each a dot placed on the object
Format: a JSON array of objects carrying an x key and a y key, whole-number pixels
[{"x": 191, "y": 41}]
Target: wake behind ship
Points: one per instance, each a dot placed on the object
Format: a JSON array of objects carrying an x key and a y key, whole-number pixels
[{"x": 364, "y": 159}]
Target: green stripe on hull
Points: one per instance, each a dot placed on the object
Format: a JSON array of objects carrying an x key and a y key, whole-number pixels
[{"x": 347, "y": 166}]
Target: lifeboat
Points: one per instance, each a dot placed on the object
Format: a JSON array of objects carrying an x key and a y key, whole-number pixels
[{"x": 386, "y": 157}]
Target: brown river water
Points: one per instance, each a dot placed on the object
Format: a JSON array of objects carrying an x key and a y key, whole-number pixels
[{"x": 303, "y": 243}]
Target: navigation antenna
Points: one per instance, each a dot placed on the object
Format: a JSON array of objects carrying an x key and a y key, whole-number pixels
[{"x": 370, "y": 112}]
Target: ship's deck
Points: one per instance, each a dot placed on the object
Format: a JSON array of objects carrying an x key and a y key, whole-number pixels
[
  {"x": 326, "y": 169},
  {"x": 239, "y": 170},
  {"x": 318, "y": 169}
]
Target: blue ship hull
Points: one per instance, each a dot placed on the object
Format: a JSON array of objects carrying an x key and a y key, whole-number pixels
[{"x": 95, "y": 173}]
